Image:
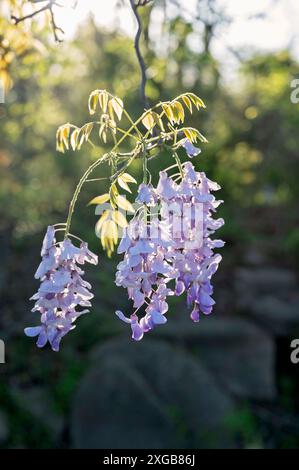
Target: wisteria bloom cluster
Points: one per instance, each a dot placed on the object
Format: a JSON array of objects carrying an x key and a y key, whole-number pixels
[
  {"x": 164, "y": 238},
  {"x": 62, "y": 292},
  {"x": 173, "y": 254}
]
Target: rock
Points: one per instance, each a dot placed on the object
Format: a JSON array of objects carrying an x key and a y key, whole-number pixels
[
  {"x": 148, "y": 395},
  {"x": 4, "y": 429},
  {"x": 238, "y": 353},
  {"x": 279, "y": 316},
  {"x": 37, "y": 401},
  {"x": 266, "y": 280},
  {"x": 255, "y": 257}
]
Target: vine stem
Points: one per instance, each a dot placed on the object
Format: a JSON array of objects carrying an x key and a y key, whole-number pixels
[
  {"x": 78, "y": 189},
  {"x": 101, "y": 160},
  {"x": 143, "y": 96}
]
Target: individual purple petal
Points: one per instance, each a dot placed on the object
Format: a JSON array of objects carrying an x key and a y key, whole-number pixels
[
  {"x": 195, "y": 314},
  {"x": 122, "y": 317},
  {"x": 32, "y": 331},
  {"x": 191, "y": 150},
  {"x": 179, "y": 288},
  {"x": 166, "y": 187},
  {"x": 49, "y": 240},
  {"x": 137, "y": 331},
  {"x": 157, "y": 317},
  {"x": 146, "y": 195},
  {"x": 42, "y": 339}
]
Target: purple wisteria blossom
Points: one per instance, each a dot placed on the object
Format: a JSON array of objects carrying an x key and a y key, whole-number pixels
[
  {"x": 145, "y": 271},
  {"x": 191, "y": 150},
  {"x": 146, "y": 195},
  {"x": 193, "y": 255},
  {"x": 179, "y": 259},
  {"x": 62, "y": 290}
]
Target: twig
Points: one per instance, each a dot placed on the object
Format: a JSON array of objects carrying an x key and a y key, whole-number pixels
[
  {"x": 33, "y": 14},
  {"x": 48, "y": 7},
  {"x": 134, "y": 6},
  {"x": 55, "y": 28}
]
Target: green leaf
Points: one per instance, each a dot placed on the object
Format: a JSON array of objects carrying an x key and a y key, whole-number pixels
[
  {"x": 100, "y": 199},
  {"x": 118, "y": 106},
  {"x": 124, "y": 204}
]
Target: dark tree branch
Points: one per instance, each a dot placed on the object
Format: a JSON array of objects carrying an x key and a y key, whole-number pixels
[
  {"x": 134, "y": 6},
  {"x": 48, "y": 7}
]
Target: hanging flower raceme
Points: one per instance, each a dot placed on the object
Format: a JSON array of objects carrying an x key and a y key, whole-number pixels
[
  {"x": 184, "y": 258},
  {"x": 145, "y": 272},
  {"x": 62, "y": 290},
  {"x": 189, "y": 206}
]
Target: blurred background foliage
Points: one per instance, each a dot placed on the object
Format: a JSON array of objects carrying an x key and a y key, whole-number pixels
[{"x": 252, "y": 128}]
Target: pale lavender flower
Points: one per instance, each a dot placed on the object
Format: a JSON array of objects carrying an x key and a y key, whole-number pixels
[
  {"x": 151, "y": 263},
  {"x": 191, "y": 150},
  {"x": 62, "y": 289},
  {"x": 146, "y": 195}
]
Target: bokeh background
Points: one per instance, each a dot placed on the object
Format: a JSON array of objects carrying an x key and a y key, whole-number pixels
[{"x": 227, "y": 381}]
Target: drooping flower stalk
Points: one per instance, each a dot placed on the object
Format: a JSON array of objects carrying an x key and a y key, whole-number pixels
[
  {"x": 62, "y": 292},
  {"x": 182, "y": 262}
]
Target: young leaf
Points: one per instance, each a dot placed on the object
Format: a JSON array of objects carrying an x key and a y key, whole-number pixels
[
  {"x": 187, "y": 102},
  {"x": 168, "y": 111},
  {"x": 196, "y": 100},
  {"x": 124, "y": 204},
  {"x": 103, "y": 100},
  {"x": 74, "y": 138},
  {"x": 188, "y": 134},
  {"x": 65, "y": 132},
  {"x": 100, "y": 222},
  {"x": 128, "y": 178},
  {"x": 87, "y": 128},
  {"x": 92, "y": 102},
  {"x": 119, "y": 219},
  {"x": 123, "y": 184},
  {"x": 148, "y": 120},
  {"x": 118, "y": 106},
  {"x": 158, "y": 120},
  {"x": 99, "y": 199}
]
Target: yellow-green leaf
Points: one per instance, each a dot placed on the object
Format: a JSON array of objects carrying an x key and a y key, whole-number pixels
[
  {"x": 123, "y": 184},
  {"x": 168, "y": 111},
  {"x": 118, "y": 106},
  {"x": 148, "y": 120},
  {"x": 92, "y": 102},
  {"x": 187, "y": 102},
  {"x": 124, "y": 204},
  {"x": 158, "y": 120},
  {"x": 100, "y": 222},
  {"x": 100, "y": 199},
  {"x": 189, "y": 135},
  {"x": 128, "y": 178},
  {"x": 119, "y": 219},
  {"x": 103, "y": 100},
  {"x": 74, "y": 138},
  {"x": 87, "y": 128}
]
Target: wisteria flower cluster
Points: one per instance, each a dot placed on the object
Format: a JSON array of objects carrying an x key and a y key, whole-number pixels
[
  {"x": 183, "y": 258},
  {"x": 166, "y": 236},
  {"x": 62, "y": 290}
]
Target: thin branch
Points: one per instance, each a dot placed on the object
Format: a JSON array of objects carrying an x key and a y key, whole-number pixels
[
  {"x": 134, "y": 6},
  {"x": 33, "y": 14},
  {"x": 55, "y": 28},
  {"x": 48, "y": 7}
]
